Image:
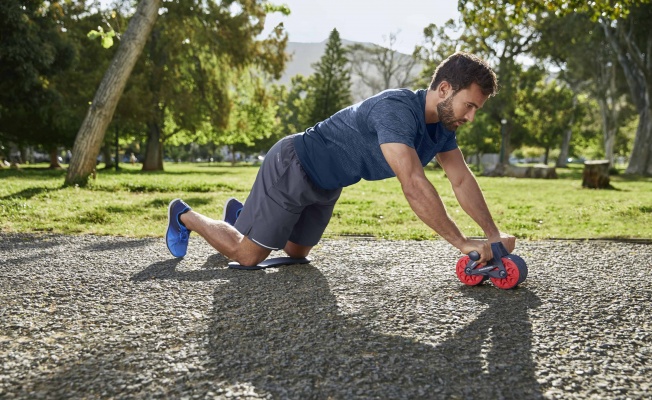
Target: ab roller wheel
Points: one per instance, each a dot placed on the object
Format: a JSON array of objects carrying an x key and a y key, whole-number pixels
[{"x": 505, "y": 271}]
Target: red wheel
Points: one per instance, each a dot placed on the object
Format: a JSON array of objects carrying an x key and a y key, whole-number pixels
[
  {"x": 469, "y": 280},
  {"x": 513, "y": 275},
  {"x": 522, "y": 267}
]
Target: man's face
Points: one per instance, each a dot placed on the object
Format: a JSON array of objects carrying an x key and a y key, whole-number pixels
[{"x": 460, "y": 107}]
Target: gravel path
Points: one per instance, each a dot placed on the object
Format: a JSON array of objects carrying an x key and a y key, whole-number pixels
[{"x": 104, "y": 317}]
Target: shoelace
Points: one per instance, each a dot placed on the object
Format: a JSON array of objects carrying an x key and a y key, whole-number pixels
[{"x": 184, "y": 234}]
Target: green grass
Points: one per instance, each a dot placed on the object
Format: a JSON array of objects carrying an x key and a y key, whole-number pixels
[{"x": 132, "y": 203}]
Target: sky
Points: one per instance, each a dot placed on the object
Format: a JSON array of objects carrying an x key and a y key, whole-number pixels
[{"x": 363, "y": 20}]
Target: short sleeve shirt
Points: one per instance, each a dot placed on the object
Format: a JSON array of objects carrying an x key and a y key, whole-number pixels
[{"x": 345, "y": 148}]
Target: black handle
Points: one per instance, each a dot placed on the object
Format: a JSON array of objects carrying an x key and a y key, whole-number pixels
[{"x": 474, "y": 255}]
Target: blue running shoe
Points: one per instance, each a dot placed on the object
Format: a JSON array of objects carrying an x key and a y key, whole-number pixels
[
  {"x": 232, "y": 209},
  {"x": 177, "y": 235}
]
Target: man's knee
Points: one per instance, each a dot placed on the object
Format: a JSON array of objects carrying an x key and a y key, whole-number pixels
[
  {"x": 250, "y": 254},
  {"x": 296, "y": 251}
]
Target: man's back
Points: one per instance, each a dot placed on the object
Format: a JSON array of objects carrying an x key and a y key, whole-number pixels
[{"x": 345, "y": 148}]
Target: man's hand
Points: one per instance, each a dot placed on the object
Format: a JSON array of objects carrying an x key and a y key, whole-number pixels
[
  {"x": 483, "y": 247},
  {"x": 508, "y": 241}
]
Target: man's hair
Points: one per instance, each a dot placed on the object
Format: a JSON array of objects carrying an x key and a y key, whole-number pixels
[{"x": 461, "y": 70}]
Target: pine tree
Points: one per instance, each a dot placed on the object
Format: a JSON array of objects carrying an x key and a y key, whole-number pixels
[{"x": 331, "y": 83}]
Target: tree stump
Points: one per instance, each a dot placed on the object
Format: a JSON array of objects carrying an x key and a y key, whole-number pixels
[
  {"x": 539, "y": 171},
  {"x": 543, "y": 171},
  {"x": 596, "y": 174}
]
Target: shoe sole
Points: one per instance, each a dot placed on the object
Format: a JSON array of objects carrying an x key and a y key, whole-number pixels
[{"x": 225, "y": 203}]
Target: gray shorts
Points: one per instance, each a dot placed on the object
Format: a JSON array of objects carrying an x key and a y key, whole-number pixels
[{"x": 284, "y": 204}]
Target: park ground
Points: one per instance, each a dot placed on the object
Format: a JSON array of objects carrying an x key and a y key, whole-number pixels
[{"x": 107, "y": 317}]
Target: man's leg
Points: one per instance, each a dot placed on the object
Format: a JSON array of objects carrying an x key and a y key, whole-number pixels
[
  {"x": 225, "y": 239},
  {"x": 310, "y": 227},
  {"x": 296, "y": 250}
]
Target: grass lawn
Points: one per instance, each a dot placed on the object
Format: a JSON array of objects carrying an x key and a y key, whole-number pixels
[{"x": 133, "y": 203}]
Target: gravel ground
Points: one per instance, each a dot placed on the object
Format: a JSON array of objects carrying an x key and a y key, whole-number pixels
[{"x": 105, "y": 317}]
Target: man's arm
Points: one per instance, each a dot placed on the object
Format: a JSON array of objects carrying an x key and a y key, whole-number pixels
[
  {"x": 468, "y": 194},
  {"x": 425, "y": 201}
]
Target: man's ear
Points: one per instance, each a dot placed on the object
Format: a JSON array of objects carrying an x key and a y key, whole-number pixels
[{"x": 444, "y": 89}]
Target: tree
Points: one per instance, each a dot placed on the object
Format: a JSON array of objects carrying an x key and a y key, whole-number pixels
[
  {"x": 546, "y": 111},
  {"x": 192, "y": 57},
  {"x": 253, "y": 116},
  {"x": 33, "y": 50},
  {"x": 501, "y": 44},
  {"x": 626, "y": 27},
  {"x": 437, "y": 46},
  {"x": 330, "y": 85},
  {"x": 380, "y": 68},
  {"x": 91, "y": 133},
  {"x": 631, "y": 38},
  {"x": 588, "y": 64},
  {"x": 492, "y": 33},
  {"x": 293, "y": 112}
]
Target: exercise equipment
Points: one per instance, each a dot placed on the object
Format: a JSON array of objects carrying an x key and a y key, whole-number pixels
[{"x": 505, "y": 270}]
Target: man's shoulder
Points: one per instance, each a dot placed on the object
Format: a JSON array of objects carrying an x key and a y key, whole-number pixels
[
  {"x": 393, "y": 99},
  {"x": 401, "y": 94}
]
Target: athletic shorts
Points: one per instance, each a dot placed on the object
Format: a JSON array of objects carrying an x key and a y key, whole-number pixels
[{"x": 284, "y": 204}]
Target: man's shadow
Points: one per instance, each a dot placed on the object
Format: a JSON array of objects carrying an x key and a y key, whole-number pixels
[{"x": 283, "y": 333}]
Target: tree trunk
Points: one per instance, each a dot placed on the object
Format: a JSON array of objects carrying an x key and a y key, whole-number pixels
[
  {"x": 609, "y": 128},
  {"x": 505, "y": 138},
  {"x": 54, "y": 158},
  {"x": 562, "y": 161},
  {"x": 640, "y": 162},
  {"x": 107, "y": 156},
  {"x": 154, "y": 150},
  {"x": 91, "y": 133}
]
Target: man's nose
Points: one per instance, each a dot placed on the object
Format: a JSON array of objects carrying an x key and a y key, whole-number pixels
[{"x": 470, "y": 116}]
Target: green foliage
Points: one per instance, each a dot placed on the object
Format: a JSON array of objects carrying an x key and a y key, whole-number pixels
[
  {"x": 501, "y": 45},
  {"x": 33, "y": 50},
  {"x": 293, "y": 113},
  {"x": 525, "y": 8},
  {"x": 198, "y": 59},
  {"x": 437, "y": 46},
  {"x": 546, "y": 111},
  {"x": 106, "y": 38},
  {"x": 625, "y": 25},
  {"x": 480, "y": 137},
  {"x": 253, "y": 116},
  {"x": 330, "y": 86}
]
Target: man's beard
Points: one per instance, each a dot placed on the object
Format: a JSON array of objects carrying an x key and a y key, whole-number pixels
[{"x": 446, "y": 114}]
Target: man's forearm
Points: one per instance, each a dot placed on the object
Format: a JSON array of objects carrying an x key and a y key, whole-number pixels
[
  {"x": 472, "y": 201},
  {"x": 428, "y": 206}
]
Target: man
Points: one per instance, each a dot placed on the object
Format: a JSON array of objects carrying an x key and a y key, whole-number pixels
[{"x": 394, "y": 133}]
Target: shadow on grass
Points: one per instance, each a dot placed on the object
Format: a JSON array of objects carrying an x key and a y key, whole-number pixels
[{"x": 28, "y": 193}]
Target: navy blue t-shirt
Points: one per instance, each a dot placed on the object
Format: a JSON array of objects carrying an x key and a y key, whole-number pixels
[{"x": 345, "y": 148}]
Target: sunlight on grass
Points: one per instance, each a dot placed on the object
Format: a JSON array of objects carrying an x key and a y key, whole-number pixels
[{"x": 133, "y": 203}]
